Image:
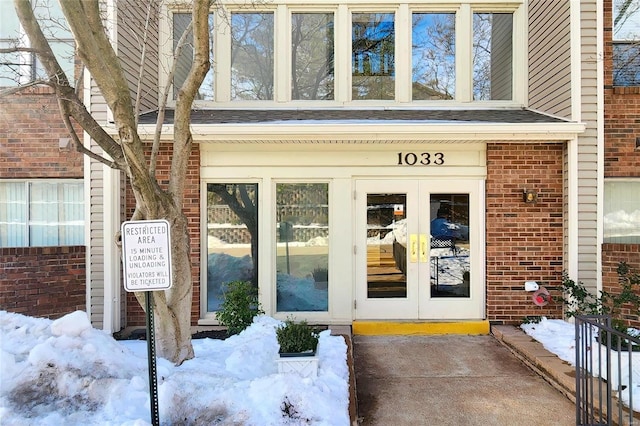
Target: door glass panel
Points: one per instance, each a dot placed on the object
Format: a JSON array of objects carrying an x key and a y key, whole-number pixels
[
  {"x": 232, "y": 238},
  {"x": 449, "y": 254},
  {"x": 302, "y": 246},
  {"x": 386, "y": 245}
]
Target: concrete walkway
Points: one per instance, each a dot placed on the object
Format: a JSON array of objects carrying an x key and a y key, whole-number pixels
[{"x": 455, "y": 380}]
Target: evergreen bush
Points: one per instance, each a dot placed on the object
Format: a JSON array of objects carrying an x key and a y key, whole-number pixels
[
  {"x": 297, "y": 337},
  {"x": 239, "y": 306}
]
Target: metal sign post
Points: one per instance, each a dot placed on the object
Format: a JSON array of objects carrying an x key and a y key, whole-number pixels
[
  {"x": 146, "y": 257},
  {"x": 153, "y": 372}
]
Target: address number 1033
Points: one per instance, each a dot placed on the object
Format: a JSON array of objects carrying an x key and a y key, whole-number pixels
[{"x": 420, "y": 158}]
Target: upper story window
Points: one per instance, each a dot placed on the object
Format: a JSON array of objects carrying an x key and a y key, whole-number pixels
[
  {"x": 312, "y": 56},
  {"x": 626, "y": 42},
  {"x": 373, "y": 56},
  {"x": 492, "y": 56},
  {"x": 41, "y": 213},
  {"x": 21, "y": 67},
  {"x": 386, "y": 54},
  {"x": 433, "y": 55},
  {"x": 252, "y": 56}
]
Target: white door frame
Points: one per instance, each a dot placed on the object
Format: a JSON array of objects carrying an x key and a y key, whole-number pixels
[{"x": 419, "y": 305}]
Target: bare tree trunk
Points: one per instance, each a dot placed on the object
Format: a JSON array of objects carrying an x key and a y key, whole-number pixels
[{"x": 172, "y": 307}]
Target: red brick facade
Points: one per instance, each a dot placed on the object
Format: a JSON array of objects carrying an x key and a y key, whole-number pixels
[
  {"x": 46, "y": 282},
  {"x": 30, "y": 130},
  {"x": 523, "y": 241},
  {"x": 612, "y": 255},
  {"x": 135, "y": 314},
  {"x": 622, "y": 153},
  {"x": 39, "y": 281}
]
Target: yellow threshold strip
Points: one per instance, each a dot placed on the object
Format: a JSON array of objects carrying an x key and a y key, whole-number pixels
[{"x": 374, "y": 328}]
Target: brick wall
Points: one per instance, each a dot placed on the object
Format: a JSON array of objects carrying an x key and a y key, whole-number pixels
[
  {"x": 30, "y": 129},
  {"x": 612, "y": 255},
  {"x": 621, "y": 112},
  {"x": 523, "y": 241},
  {"x": 39, "y": 281},
  {"x": 135, "y": 314},
  {"x": 622, "y": 158},
  {"x": 46, "y": 282}
]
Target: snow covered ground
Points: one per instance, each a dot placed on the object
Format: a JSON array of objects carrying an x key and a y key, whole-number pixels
[
  {"x": 558, "y": 337},
  {"x": 65, "y": 372}
]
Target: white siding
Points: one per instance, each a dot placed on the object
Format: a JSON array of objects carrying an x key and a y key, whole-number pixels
[
  {"x": 588, "y": 151},
  {"x": 132, "y": 21},
  {"x": 550, "y": 57}
]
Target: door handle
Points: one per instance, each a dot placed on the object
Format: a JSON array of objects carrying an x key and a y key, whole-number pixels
[
  {"x": 413, "y": 248},
  {"x": 423, "y": 248}
]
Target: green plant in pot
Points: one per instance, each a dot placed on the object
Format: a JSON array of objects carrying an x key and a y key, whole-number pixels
[{"x": 297, "y": 339}]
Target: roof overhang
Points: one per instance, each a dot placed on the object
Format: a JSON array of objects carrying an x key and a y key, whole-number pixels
[{"x": 372, "y": 132}]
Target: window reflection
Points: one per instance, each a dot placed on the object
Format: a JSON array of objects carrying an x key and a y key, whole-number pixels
[
  {"x": 386, "y": 246},
  {"x": 450, "y": 266},
  {"x": 232, "y": 238},
  {"x": 373, "y": 56},
  {"x": 312, "y": 56},
  {"x": 184, "y": 60},
  {"x": 252, "y": 56},
  {"x": 302, "y": 246},
  {"x": 492, "y": 56},
  {"x": 433, "y": 56},
  {"x": 621, "y": 212}
]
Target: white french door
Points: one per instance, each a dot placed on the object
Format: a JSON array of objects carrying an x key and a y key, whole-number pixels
[{"x": 419, "y": 249}]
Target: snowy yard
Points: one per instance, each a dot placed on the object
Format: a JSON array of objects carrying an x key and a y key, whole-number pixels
[{"x": 65, "y": 372}]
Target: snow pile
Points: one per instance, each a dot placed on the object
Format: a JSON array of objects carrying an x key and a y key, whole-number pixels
[{"x": 66, "y": 372}]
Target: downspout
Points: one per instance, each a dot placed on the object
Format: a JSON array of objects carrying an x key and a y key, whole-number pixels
[
  {"x": 86, "y": 97},
  {"x": 600, "y": 140},
  {"x": 572, "y": 148},
  {"x": 111, "y": 222}
]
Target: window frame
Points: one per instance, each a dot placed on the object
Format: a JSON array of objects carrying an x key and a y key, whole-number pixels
[
  {"x": 605, "y": 202},
  {"x": 28, "y": 209},
  {"x": 29, "y": 68},
  {"x": 626, "y": 39},
  {"x": 274, "y": 239},
  {"x": 342, "y": 52}
]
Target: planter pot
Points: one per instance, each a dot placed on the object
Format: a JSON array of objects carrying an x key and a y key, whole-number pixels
[{"x": 305, "y": 365}]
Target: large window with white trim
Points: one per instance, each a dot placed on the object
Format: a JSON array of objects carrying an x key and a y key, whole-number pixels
[
  {"x": 41, "y": 213},
  {"x": 621, "y": 211},
  {"x": 391, "y": 53}
]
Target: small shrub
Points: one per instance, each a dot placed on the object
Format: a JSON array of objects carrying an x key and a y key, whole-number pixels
[
  {"x": 580, "y": 301},
  {"x": 239, "y": 306},
  {"x": 296, "y": 337}
]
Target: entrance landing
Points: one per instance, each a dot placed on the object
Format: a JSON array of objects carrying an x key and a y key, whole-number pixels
[{"x": 378, "y": 328}]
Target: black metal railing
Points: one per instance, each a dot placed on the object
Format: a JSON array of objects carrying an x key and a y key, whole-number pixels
[{"x": 604, "y": 373}]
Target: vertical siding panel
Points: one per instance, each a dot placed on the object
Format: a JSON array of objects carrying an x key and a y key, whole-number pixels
[
  {"x": 132, "y": 21},
  {"x": 550, "y": 68},
  {"x": 588, "y": 150}
]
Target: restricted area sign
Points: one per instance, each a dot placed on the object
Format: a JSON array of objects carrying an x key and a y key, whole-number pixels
[{"x": 146, "y": 255}]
